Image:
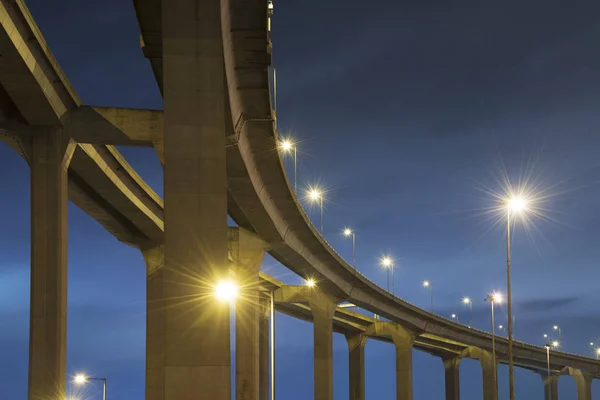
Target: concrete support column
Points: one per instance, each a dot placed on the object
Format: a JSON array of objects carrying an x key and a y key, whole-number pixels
[
  {"x": 403, "y": 341},
  {"x": 50, "y": 158},
  {"x": 247, "y": 251},
  {"x": 550, "y": 386},
  {"x": 583, "y": 381},
  {"x": 155, "y": 329},
  {"x": 452, "y": 369},
  {"x": 356, "y": 348},
  {"x": 263, "y": 348},
  {"x": 490, "y": 387},
  {"x": 322, "y": 310},
  {"x": 196, "y": 340}
]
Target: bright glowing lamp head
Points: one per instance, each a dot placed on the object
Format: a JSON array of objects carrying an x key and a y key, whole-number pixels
[
  {"x": 598, "y": 351},
  {"x": 286, "y": 145},
  {"x": 453, "y": 315},
  {"x": 314, "y": 194},
  {"x": 555, "y": 327},
  {"x": 591, "y": 343},
  {"x": 80, "y": 379},
  {"x": 466, "y": 300},
  {"x": 555, "y": 343},
  {"x": 496, "y": 297},
  {"x": 347, "y": 232},
  {"x": 386, "y": 262},
  {"x": 310, "y": 282},
  {"x": 227, "y": 290},
  {"x": 426, "y": 283},
  {"x": 500, "y": 326},
  {"x": 545, "y": 335},
  {"x": 517, "y": 203}
]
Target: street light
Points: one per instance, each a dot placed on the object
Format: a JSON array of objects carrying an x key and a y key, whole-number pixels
[
  {"x": 80, "y": 379},
  {"x": 454, "y": 317},
  {"x": 547, "y": 346},
  {"x": 429, "y": 285},
  {"x": 310, "y": 282},
  {"x": 557, "y": 328},
  {"x": 350, "y": 233},
  {"x": 494, "y": 298},
  {"x": 468, "y": 301},
  {"x": 502, "y": 328},
  {"x": 227, "y": 290},
  {"x": 515, "y": 204},
  {"x": 315, "y": 195},
  {"x": 387, "y": 263},
  {"x": 287, "y": 146},
  {"x": 597, "y": 353}
]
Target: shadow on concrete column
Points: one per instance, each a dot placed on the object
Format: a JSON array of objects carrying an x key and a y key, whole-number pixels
[
  {"x": 155, "y": 330},
  {"x": 550, "y": 386},
  {"x": 246, "y": 253},
  {"x": 263, "y": 348},
  {"x": 356, "y": 360},
  {"x": 452, "y": 377},
  {"x": 490, "y": 385},
  {"x": 322, "y": 309},
  {"x": 583, "y": 382},
  {"x": 50, "y": 158}
]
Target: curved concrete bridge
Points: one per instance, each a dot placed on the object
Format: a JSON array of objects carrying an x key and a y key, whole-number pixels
[{"x": 215, "y": 139}]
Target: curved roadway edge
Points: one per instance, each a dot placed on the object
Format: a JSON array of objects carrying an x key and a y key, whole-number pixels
[
  {"x": 346, "y": 321},
  {"x": 274, "y": 211}
]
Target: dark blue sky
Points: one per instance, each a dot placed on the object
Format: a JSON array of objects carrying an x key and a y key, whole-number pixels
[{"x": 407, "y": 112}]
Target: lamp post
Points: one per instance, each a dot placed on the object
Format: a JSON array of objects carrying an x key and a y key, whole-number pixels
[
  {"x": 80, "y": 379},
  {"x": 494, "y": 298},
  {"x": 468, "y": 301},
  {"x": 515, "y": 204},
  {"x": 454, "y": 317},
  {"x": 429, "y": 285},
  {"x": 287, "y": 146},
  {"x": 548, "y": 374},
  {"x": 557, "y": 328},
  {"x": 502, "y": 328},
  {"x": 388, "y": 264},
  {"x": 597, "y": 353},
  {"x": 316, "y": 196},
  {"x": 350, "y": 233}
]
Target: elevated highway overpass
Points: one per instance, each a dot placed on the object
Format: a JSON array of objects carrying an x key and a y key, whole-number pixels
[{"x": 70, "y": 148}]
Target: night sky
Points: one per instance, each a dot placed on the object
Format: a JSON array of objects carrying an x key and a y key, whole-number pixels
[{"x": 410, "y": 114}]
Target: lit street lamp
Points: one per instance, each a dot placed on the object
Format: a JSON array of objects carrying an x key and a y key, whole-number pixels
[
  {"x": 557, "y": 328},
  {"x": 388, "y": 264},
  {"x": 468, "y": 301},
  {"x": 350, "y": 233},
  {"x": 316, "y": 196},
  {"x": 515, "y": 205},
  {"x": 454, "y": 317},
  {"x": 597, "y": 353},
  {"x": 80, "y": 379},
  {"x": 502, "y": 328},
  {"x": 287, "y": 146},
  {"x": 429, "y": 285},
  {"x": 310, "y": 282},
  {"x": 494, "y": 298}
]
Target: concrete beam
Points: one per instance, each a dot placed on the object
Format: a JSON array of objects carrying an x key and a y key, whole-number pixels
[
  {"x": 115, "y": 126},
  {"x": 452, "y": 377},
  {"x": 356, "y": 360},
  {"x": 583, "y": 382},
  {"x": 197, "y": 326},
  {"x": 51, "y": 155},
  {"x": 28, "y": 72},
  {"x": 550, "y": 386},
  {"x": 246, "y": 252},
  {"x": 403, "y": 341}
]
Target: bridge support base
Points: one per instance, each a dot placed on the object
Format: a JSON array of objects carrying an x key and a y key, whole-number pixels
[
  {"x": 323, "y": 309},
  {"x": 51, "y": 155},
  {"x": 490, "y": 385},
  {"x": 583, "y": 381},
  {"x": 452, "y": 377},
  {"x": 550, "y": 386},
  {"x": 356, "y": 348}
]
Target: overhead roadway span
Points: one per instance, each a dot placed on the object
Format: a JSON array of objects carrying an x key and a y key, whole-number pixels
[{"x": 262, "y": 199}]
